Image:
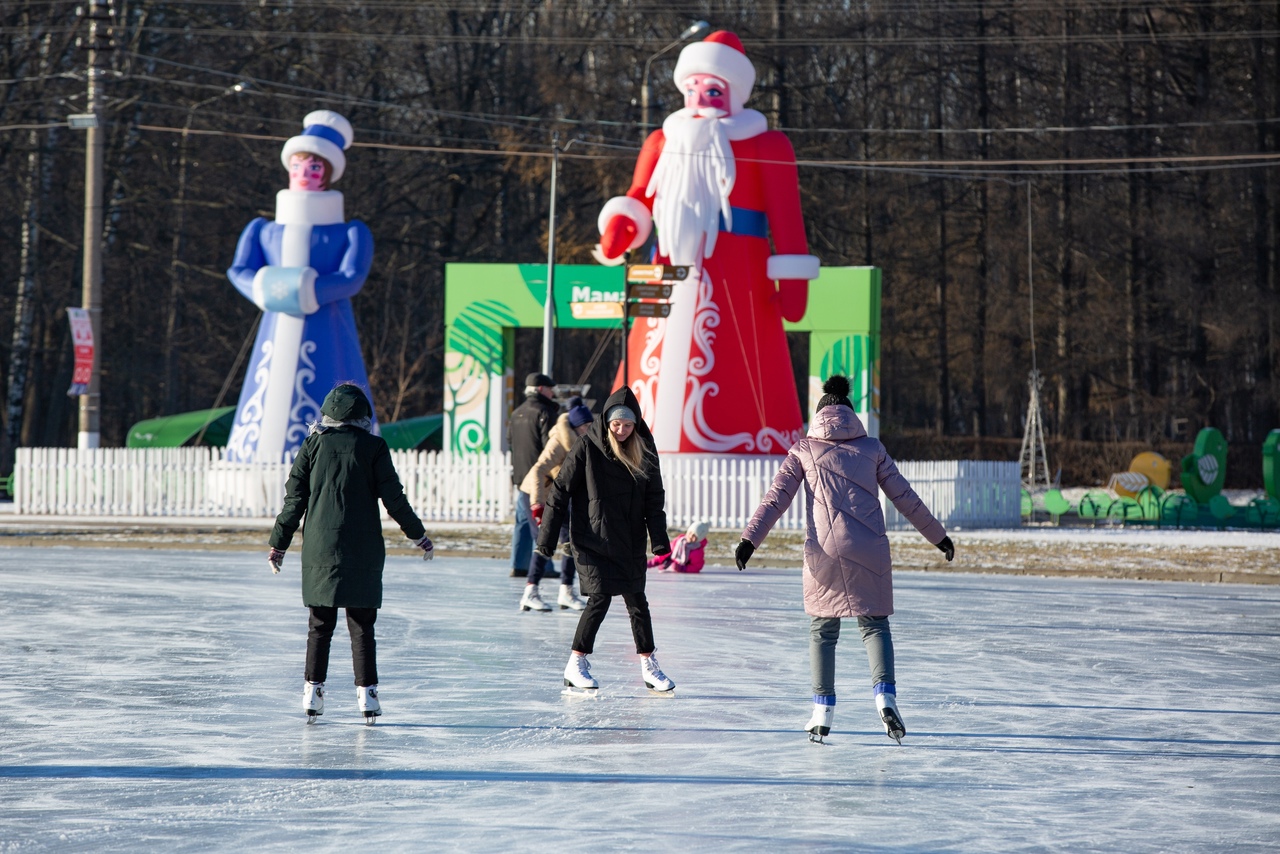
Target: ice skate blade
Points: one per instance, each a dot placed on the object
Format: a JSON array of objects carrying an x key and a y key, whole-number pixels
[
  {"x": 816, "y": 738},
  {"x": 573, "y": 691},
  {"x": 658, "y": 692},
  {"x": 311, "y": 717}
]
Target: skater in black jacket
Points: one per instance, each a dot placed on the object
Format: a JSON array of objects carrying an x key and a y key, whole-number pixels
[{"x": 610, "y": 485}]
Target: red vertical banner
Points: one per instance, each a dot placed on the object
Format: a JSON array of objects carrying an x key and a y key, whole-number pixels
[{"x": 82, "y": 340}]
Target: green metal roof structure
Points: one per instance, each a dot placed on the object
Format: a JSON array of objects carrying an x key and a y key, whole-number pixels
[{"x": 174, "y": 431}]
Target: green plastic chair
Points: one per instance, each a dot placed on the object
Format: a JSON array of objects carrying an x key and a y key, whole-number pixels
[
  {"x": 1094, "y": 506},
  {"x": 1263, "y": 511},
  {"x": 1178, "y": 509},
  {"x": 1125, "y": 509},
  {"x": 1055, "y": 504}
]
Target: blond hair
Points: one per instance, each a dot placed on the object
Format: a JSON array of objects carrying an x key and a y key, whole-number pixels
[{"x": 630, "y": 453}]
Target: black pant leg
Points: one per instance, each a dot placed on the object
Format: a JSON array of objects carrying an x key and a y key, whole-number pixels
[
  {"x": 641, "y": 621},
  {"x": 584, "y": 639},
  {"x": 320, "y": 627},
  {"x": 364, "y": 649}
]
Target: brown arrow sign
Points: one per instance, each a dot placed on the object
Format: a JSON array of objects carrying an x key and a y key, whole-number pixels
[
  {"x": 650, "y": 309},
  {"x": 635, "y": 291}
]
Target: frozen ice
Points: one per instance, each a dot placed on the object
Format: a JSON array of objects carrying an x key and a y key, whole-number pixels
[{"x": 152, "y": 700}]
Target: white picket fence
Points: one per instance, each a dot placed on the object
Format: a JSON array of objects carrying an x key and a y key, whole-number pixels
[{"x": 720, "y": 489}]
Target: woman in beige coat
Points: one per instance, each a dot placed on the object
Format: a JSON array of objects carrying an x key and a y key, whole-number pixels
[
  {"x": 564, "y": 433},
  {"x": 847, "y": 567}
]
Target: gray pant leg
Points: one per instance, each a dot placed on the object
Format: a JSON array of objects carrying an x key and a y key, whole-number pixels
[
  {"x": 879, "y": 643},
  {"x": 824, "y": 632}
]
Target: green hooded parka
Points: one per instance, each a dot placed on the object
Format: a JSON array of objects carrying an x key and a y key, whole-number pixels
[{"x": 340, "y": 474}]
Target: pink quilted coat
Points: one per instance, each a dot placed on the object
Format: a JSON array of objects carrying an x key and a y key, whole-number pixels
[{"x": 847, "y": 568}]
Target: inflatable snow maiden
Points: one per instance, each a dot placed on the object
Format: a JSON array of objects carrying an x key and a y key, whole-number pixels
[{"x": 301, "y": 269}]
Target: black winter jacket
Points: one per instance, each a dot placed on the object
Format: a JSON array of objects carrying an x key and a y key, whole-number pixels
[
  {"x": 611, "y": 510},
  {"x": 528, "y": 429}
]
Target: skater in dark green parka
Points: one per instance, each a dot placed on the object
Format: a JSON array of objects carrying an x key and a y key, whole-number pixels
[{"x": 341, "y": 472}]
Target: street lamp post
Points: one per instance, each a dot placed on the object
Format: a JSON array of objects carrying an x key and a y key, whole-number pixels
[
  {"x": 646, "y": 92},
  {"x": 548, "y": 305},
  {"x": 175, "y": 250}
]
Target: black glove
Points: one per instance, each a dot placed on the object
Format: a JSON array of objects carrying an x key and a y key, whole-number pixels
[
  {"x": 947, "y": 548},
  {"x": 661, "y": 550},
  {"x": 547, "y": 552},
  {"x": 743, "y": 553}
]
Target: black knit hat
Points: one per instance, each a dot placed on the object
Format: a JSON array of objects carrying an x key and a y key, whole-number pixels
[
  {"x": 536, "y": 379},
  {"x": 837, "y": 392}
]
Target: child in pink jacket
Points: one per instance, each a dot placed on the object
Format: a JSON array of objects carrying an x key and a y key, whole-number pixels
[
  {"x": 688, "y": 553},
  {"x": 847, "y": 568}
]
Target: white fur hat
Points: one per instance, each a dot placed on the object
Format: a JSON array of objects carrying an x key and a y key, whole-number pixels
[
  {"x": 720, "y": 54},
  {"x": 325, "y": 134}
]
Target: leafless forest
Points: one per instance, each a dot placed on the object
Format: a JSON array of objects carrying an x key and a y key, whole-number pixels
[{"x": 1121, "y": 157}]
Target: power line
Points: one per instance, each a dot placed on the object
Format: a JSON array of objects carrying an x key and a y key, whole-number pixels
[{"x": 939, "y": 166}]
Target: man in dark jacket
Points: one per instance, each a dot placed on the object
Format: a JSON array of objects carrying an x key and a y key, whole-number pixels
[
  {"x": 528, "y": 429},
  {"x": 341, "y": 472}
]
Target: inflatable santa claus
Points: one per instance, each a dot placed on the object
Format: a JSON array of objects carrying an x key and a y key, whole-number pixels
[
  {"x": 717, "y": 186},
  {"x": 302, "y": 270}
]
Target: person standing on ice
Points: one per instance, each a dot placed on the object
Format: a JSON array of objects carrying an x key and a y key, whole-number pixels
[
  {"x": 610, "y": 490},
  {"x": 847, "y": 566},
  {"x": 302, "y": 270},
  {"x": 536, "y": 484},
  {"x": 528, "y": 429},
  {"x": 341, "y": 472},
  {"x": 718, "y": 186}
]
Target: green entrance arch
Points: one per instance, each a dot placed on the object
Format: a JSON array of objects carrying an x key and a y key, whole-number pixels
[{"x": 485, "y": 303}]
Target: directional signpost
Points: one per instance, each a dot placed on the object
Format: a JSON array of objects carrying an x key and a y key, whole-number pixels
[{"x": 649, "y": 288}]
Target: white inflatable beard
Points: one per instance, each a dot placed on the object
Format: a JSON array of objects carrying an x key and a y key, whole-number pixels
[{"x": 691, "y": 184}]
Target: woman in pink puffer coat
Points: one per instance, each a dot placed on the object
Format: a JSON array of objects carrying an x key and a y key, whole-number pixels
[{"x": 847, "y": 567}]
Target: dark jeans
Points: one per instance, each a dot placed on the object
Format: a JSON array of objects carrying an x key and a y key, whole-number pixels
[
  {"x": 538, "y": 563},
  {"x": 584, "y": 639},
  {"x": 523, "y": 534},
  {"x": 364, "y": 650}
]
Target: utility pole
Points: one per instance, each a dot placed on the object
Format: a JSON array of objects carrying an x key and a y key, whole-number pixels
[
  {"x": 99, "y": 15},
  {"x": 549, "y": 306}
]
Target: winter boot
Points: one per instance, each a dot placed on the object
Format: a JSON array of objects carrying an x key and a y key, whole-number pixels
[
  {"x": 531, "y": 601},
  {"x": 577, "y": 673},
  {"x": 653, "y": 675},
  {"x": 568, "y": 600},
  {"x": 367, "y": 699},
  {"x": 824, "y": 710},
  {"x": 313, "y": 700},
  {"x": 887, "y": 703}
]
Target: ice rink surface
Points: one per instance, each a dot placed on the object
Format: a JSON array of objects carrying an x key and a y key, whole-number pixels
[{"x": 151, "y": 701}]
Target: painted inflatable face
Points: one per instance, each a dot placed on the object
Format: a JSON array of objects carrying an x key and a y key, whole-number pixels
[
  {"x": 308, "y": 172},
  {"x": 621, "y": 428},
  {"x": 704, "y": 90}
]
